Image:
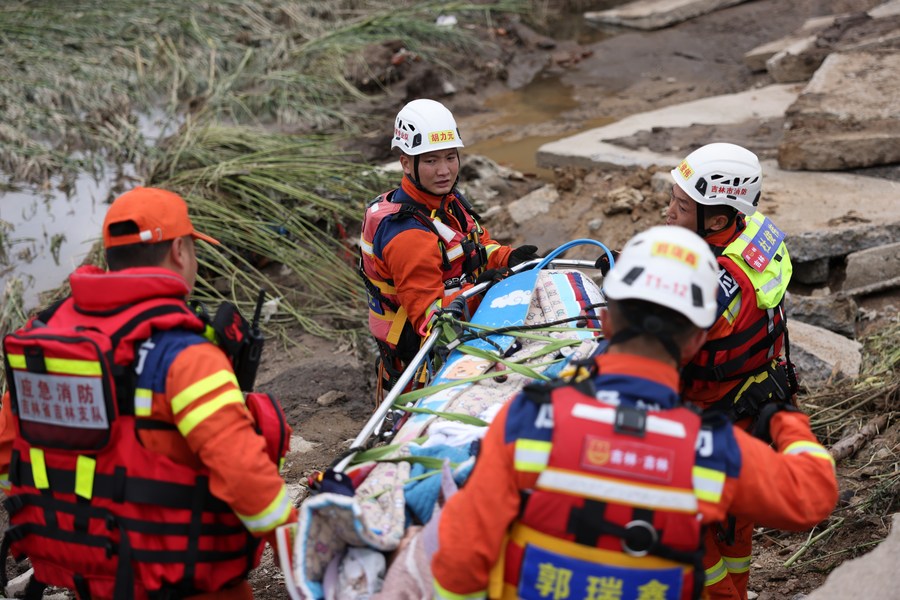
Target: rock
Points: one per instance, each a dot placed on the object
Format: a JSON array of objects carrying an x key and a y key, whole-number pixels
[
  {"x": 837, "y": 313},
  {"x": 841, "y": 241},
  {"x": 811, "y": 272},
  {"x": 872, "y": 575},
  {"x": 796, "y": 62},
  {"x": 819, "y": 353},
  {"x": 757, "y": 58},
  {"x": 622, "y": 200},
  {"x": 330, "y": 397},
  {"x": 17, "y": 584},
  {"x": 847, "y": 116},
  {"x": 873, "y": 269},
  {"x": 533, "y": 204}
]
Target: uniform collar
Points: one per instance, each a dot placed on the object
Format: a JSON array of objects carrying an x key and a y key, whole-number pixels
[
  {"x": 633, "y": 365},
  {"x": 94, "y": 289},
  {"x": 720, "y": 239},
  {"x": 429, "y": 201}
]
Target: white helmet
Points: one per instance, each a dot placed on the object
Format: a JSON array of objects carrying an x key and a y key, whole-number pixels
[
  {"x": 669, "y": 266},
  {"x": 721, "y": 174},
  {"x": 425, "y": 126}
]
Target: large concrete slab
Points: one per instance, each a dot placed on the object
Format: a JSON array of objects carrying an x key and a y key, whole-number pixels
[
  {"x": 826, "y": 213},
  {"x": 847, "y": 116},
  {"x": 873, "y": 575},
  {"x": 656, "y": 14},
  {"x": 592, "y": 148}
]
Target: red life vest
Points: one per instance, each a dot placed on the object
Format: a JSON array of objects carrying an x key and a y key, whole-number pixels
[
  {"x": 463, "y": 258},
  {"x": 614, "y": 510},
  {"x": 92, "y": 508},
  {"x": 759, "y": 326}
]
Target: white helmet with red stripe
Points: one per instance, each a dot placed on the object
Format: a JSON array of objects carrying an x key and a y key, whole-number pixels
[
  {"x": 721, "y": 173},
  {"x": 669, "y": 266},
  {"x": 425, "y": 126}
]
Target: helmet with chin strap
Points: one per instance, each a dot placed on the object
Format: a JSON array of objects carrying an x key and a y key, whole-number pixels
[
  {"x": 425, "y": 126},
  {"x": 721, "y": 173},
  {"x": 669, "y": 266},
  {"x": 661, "y": 271}
]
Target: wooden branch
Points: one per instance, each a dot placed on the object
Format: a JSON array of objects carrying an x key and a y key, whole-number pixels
[{"x": 851, "y": 444}]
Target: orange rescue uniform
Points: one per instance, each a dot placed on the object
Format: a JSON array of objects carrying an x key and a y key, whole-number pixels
[{"x": 792, "y": 486}]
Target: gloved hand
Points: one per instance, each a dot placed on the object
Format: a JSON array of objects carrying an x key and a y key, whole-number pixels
[
  {"x": 761, "y": 427},
  {"x": 493, "y": 275},
  {"x": 522, "y": 254},
  {"x": 603, "y": 262},
  {"x": 456, "y": 309}
]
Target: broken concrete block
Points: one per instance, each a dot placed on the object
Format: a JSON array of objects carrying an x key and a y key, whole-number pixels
[
  {"x": 873, "y": 269},
  {"x": 818, "y": 354},
  {"x": 834, "y": 312},
  {"x": 756, "y": 59},
  {"x": 533, "y": 205},
  {"x": 813, "y": 272},
  {"x": 847, "y": 116}
]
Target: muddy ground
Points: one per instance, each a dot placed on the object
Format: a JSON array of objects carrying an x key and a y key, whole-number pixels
[
  {"x": 623, "y": 73},
  {"x": 327, "y": 386}
]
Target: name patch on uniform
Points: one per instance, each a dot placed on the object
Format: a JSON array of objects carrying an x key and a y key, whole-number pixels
[
  {"x": 761, "y": 249},
  {"x": 547, "y": 574},
  {"x": 634, "y": 459},
  {"x": 448, "y": 135},
  {"x": 64, "y": 400}
]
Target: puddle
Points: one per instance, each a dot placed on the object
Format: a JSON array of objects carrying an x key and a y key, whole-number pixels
[
  {"x": 47, "y": 235},
  {"x": 544, "y": 100},
  {"x": 44, "y": 236}
]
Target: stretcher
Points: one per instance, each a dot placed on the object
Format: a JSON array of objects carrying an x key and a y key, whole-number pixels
[{"x": 370, "y": 527}]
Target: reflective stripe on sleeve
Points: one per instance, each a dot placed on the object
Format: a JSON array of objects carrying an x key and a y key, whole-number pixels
[
  {"x": 531, "y": 456},
  {"x": 442, "y": 594},
  {"x": 196, "y": 416},
  {"x": 708, "y": 483},
  {"x": 202, "y": 387},
  {"x": 811, "y": 448},
  {"x": 272, "y": 516}
]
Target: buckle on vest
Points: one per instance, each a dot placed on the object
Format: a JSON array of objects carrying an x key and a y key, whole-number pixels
[
  {"x": 640, "y": 537},
  {"x": 630, "y": 421}
]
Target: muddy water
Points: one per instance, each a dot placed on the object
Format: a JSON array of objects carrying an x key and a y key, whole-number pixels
[
  {"x": 47, "y": 235},
  {"x": 515, "y": 112},
  {"x": 44, "y": 235}
]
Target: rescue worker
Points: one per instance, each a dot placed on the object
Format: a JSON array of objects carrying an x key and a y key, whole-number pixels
[
  {"x": 740, "y": 368},
  {"x": 134, "y": 471},
  {"x": 600, "y": 487},
  {"x": 421, "y": 244}
]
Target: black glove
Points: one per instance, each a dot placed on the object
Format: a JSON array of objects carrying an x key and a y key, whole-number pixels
[
  {"x": 761, "y": 427},
  {"x": 493, "y": 275},
  {"x": 456, "y": 309},
  {"x": 521, "y": 254},
  {"x": 603, "y": 262}
]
